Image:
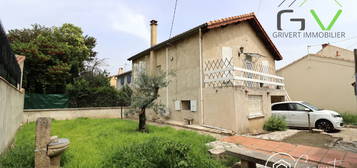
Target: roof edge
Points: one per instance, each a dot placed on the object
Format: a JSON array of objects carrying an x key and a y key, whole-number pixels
[{"x": 170, "y": 40}]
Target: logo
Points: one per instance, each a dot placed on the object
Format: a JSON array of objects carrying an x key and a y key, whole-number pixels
[
  {"x": 288, "y": 11},
  {"x": 276, "y": 160}
]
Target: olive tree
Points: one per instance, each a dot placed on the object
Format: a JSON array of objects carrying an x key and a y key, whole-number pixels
[{"x": 145, "y": 92}]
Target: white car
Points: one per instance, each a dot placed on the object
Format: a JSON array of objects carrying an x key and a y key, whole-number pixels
[{"x": 296, "y": 115}]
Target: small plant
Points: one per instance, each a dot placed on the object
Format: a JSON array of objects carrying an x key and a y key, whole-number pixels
[
  {"x": 159, "y": 152},
  {"x": 349, "y": 118},
  {"x": 275, "y": 123}
]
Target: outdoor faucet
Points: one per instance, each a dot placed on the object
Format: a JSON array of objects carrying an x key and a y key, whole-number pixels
[{"x": 48, "y": 149}]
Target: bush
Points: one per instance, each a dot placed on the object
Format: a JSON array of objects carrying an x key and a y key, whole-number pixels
[
  {"x": 95, "y": 91},
  {"x": 275, "y": 123},
  {"x": 160, "y": 153},
  {"x": 349, "y": 118}
]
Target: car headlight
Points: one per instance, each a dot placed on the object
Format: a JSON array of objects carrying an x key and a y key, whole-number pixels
[{"x": 336, "y": 115}]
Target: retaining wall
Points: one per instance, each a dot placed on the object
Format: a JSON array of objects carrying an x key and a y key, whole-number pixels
[
  {"x": 11, "y": 112},
  {"x": 73, "y": 113}
]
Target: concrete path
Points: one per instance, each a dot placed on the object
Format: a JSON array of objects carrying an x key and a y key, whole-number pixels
[{"x": 320, "y": 156}]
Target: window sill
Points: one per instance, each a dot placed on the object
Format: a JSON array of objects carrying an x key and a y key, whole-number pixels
[{"x": 255, "y": 116}]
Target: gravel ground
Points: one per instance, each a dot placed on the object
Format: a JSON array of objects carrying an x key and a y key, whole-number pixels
[{"x": 347, "y": 134}]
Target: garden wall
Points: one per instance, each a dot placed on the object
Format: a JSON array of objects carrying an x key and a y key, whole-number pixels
[
  {"x": 11, "y": 112},
  {"x": 72, "y": 113}
]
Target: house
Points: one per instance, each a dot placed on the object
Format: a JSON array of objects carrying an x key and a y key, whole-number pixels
[
  {"x": 323, "y": 79},
  {"x": 224, "y": 74},
  {"x": 121, "y": 79}
]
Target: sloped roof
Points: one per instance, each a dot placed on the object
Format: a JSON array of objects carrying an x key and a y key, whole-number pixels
[
  {"x": 314, "y": 55},
  {"x": 250, "y": 17},
  {"x": 123, "y": 74}
]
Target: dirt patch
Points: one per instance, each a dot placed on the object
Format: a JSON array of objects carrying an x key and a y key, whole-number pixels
[
  {"x": 321, "y": 140},
  {"x": 312, "y": 139}
]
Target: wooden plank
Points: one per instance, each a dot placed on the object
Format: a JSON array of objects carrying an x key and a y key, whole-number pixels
[{"x": 265, "y": 159}]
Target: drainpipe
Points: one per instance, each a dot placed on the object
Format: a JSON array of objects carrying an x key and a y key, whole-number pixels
[
  {"x": 201, "y": 75},
  {"x": 167, "y": 75}
]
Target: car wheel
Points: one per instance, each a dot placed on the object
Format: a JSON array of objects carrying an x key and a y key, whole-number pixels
[{"x": 324, "y": 125}]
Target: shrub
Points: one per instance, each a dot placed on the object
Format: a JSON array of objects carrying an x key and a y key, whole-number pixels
[
  {"x": 349, "y": 118},
  {"x": 275, "y": 123},
  {"x": 159, "y": 153},
  {"x": 95, "y": 91}
]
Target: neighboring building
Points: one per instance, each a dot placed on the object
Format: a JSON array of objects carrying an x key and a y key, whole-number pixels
[
  {"x": 121, "y": 79},
  {"x": 224, "y": 74},
  {"x": 113, "y": 81},
  {"x": 323, "y": 79}
]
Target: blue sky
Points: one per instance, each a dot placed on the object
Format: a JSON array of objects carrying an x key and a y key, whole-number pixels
[{"x": 122, "y": 27}]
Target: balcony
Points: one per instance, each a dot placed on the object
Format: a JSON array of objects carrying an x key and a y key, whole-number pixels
[{"x": 237, "y": 72}]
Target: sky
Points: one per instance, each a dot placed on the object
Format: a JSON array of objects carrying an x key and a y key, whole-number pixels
[{"x": 121, "y": 27}]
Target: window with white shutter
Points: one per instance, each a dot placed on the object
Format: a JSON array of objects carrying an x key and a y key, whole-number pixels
[
  {"x": 177, "y": 105},
  {"x": 193, "y": 104},
  {"x": 255, "y": 106}
]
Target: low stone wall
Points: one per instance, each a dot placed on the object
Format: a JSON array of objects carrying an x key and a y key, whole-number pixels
[
  {"x": 31, "y": 115},
  {"x": 11, "y": 112}
]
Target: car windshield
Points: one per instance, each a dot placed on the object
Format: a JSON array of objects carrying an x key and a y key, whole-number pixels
[{"x": 311, "y": 106}]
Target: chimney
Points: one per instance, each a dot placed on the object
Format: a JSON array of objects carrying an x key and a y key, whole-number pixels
[
  {"x": 121, "y": 70},
  {"x": 153, "y": 26},
  {"x": 325, "y": 45}
]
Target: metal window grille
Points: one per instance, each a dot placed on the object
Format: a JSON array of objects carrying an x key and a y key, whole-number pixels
[{"x": 9, "y": 68}]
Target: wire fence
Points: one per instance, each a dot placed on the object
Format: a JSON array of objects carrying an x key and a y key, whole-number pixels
[{"x": 9, "y": 68}]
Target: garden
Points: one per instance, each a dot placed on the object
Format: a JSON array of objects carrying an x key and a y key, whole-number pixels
[{"x": 116, "y": 143}]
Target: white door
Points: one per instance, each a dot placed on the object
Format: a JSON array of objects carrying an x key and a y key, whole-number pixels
[{"x": 299, "y": 116}]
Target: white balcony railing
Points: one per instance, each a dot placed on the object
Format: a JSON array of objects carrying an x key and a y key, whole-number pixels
[{"x": 223, "y": 73}]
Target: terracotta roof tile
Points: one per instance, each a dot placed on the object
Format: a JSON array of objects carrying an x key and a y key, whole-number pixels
[{"x": 229, "y": 20}]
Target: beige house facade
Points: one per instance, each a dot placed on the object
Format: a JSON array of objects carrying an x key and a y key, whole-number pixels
[
  {"x": 224, "y": 74},
  {"x": 323, "y": 79}
]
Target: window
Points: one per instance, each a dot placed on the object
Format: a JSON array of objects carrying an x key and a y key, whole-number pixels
[
  {"x": 185, "y": 104},
  {"x": 255, "y": 106},
  {"x": 281, "y": 107},
  {"x": 122, "y": 80},
  {"x": 227, "y": 53},
  {"x": 128, "y": 79},
  {"x": 296, "y": 107}
]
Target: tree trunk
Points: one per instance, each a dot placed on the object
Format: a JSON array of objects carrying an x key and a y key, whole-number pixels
[{"x": 142, "y": 121}]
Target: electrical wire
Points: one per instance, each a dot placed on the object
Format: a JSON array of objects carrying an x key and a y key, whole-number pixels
[{"x": 173, "y": 19}]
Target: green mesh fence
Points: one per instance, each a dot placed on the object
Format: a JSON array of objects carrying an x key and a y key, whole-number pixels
[{"x": 46, "y": 101}]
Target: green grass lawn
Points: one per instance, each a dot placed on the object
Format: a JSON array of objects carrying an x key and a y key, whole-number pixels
[
  {"x": 349, "y": 118},
  {"x": 95, "y": 141}
]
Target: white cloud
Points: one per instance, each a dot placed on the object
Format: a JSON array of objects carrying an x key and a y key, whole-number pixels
[{"x": 129, "y": 21}]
